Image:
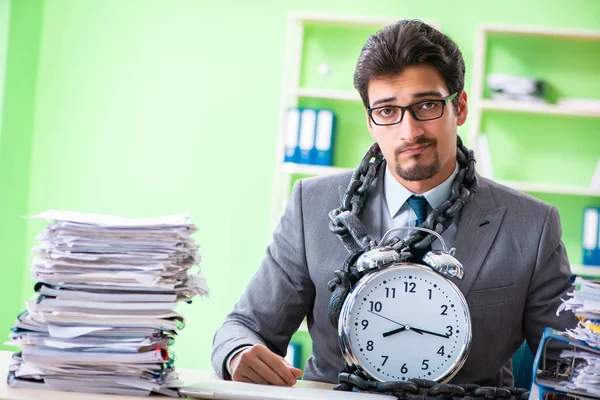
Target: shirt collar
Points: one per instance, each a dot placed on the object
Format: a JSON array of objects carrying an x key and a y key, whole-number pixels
[{"x": 396, "y": 194}]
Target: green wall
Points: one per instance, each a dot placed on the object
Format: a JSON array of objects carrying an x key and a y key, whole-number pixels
[
  {"x": 148, "y": 107},
  {"x": 22, "y": 22}
]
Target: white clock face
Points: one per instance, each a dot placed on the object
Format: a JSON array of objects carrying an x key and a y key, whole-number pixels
[{"x": 405, "y": 322}]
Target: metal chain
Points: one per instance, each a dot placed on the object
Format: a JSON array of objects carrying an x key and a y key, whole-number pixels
[
  {"x": 345, "y": 223},
  {"x": 423, "y": 389}
]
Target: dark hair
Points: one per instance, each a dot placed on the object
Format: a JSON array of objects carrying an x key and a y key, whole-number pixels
[{"x": 408, "y": 42}]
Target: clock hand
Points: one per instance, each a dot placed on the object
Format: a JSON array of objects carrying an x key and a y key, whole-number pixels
[
  {"x": 401, "y": 329},
  {"x": 422, "y": 331},
  {"x": 391, "y": 320},
  {"x": 397, "y": 330}
]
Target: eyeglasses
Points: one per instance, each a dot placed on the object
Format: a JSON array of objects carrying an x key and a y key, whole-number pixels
[{"x": 425, "y": 110}]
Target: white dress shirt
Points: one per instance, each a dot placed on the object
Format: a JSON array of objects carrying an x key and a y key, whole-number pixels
[{"x": 397, "y": 213}]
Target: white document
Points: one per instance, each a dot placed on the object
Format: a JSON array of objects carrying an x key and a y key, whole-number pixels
[
  {"x": 249, "y": 391},
  {"x": 110, "y": 220},
  {"x": 103, "y": 316}
]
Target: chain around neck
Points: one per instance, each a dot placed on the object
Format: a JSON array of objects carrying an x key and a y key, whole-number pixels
[{"x": 345, "y": 223}]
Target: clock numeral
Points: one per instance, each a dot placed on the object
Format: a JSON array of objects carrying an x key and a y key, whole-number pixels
[
  {"x": 409, "y": 287},
  {"x": 385, "y": 358},
  {"x": 441, "y": 351},
  {"x": 364, "y": 323},
  {"x": 425, "y": 365},
  {"x": 391, "y": 291},
  {"x": 370, "y": 345},
  {"x": 450, "y": 331},
  {"x": 444, "y": 309},
  {"x": 430, "y": 293},
  {"x": 376, "y": 306},
  {"x": 403, "y": 369}
]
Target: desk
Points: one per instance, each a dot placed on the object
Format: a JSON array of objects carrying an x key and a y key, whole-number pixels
[{"x": 188, "y": 376}]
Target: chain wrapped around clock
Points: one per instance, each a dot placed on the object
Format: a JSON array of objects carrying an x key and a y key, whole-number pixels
[{"x": 345, "y": 223}]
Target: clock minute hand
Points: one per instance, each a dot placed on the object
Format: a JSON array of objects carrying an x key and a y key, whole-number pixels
[
  {"x": 397, "y": 330},
  {"x": 421, "y": 331}
]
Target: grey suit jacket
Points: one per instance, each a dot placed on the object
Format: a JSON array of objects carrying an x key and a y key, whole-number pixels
[{"x": 516, "y": 270}]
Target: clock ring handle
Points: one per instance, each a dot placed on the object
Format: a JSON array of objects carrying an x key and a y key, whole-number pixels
[{"x": 418, "y": 228}]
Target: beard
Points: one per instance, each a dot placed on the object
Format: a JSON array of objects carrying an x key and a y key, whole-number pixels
[{"x": 419, "y": 172}]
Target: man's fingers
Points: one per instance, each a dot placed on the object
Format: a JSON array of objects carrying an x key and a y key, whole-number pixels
[
  {"x": 251, "y": 376},
  {"x": 297, "y": 372},
  {"x": 258, "y": 364},
  {"x": 267, "y": 373},
  {"x": 279, "y": 366}
]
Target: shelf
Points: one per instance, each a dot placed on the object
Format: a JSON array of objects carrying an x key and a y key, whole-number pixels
[
  {"x": 307, "y": 169},
  {"x": 327, "y": 94},
  {"x": 557, "y": 33},
  {"x": 347, "y": 20},
  {"x": 586, "y": 270},
  {"x": 550, "y": 188},
  {"x": 533, "y": 108}
]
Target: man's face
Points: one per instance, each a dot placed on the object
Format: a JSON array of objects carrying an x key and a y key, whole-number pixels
[{"x": 417, "y": 150}]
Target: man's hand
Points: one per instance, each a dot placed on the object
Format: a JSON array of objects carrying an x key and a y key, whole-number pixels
[{"x": 258, "y": 364}]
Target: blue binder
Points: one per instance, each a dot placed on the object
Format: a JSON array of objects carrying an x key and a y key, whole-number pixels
[
  {"x": 306, "y": 141},
  {"x": 324, "y": 137},
  {"x": 548, "y": 377},
  {"x": 591, "y": 236},
  {"x": 292, "y": 151},
  {"x": 293, "y": 354}
]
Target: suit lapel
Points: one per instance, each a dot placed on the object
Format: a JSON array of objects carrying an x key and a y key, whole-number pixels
[
  {"x": 477, "y": 228},
  {"x": 371, "y": 212}
]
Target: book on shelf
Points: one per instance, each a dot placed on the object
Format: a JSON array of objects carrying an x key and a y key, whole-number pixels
[{"x": 591, "y": 236}]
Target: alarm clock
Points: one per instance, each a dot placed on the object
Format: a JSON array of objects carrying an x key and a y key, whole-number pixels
[{"x": 404, "y": 320}]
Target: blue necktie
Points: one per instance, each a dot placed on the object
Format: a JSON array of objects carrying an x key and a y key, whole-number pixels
[{"x": 419, "y": 205}]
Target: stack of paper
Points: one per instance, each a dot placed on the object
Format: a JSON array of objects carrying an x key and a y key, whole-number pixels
[
  {"x": 102, "y": 318},
  {"x": 585, "y": 303}
]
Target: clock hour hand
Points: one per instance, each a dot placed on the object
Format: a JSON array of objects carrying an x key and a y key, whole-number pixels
[
  {"x": 397, "y": 330},
  {"x": 422, "y": 331}
]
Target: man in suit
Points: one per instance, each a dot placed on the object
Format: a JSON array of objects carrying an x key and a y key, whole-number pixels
[{"x": 411, "y": 80}]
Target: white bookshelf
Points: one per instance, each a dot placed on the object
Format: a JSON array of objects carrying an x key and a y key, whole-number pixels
[
  {"x": 556, "y": 33},
  {"x": 551, "y": 188},
  {"x": 479, "y": 104},
  {"x": 327, "y": 94},
  {"x": 534, "y": 108},
  {"x": 586, "y": 270},
  {"x": 292, "y": 92},
  {"x": 306, "y": 169}
]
